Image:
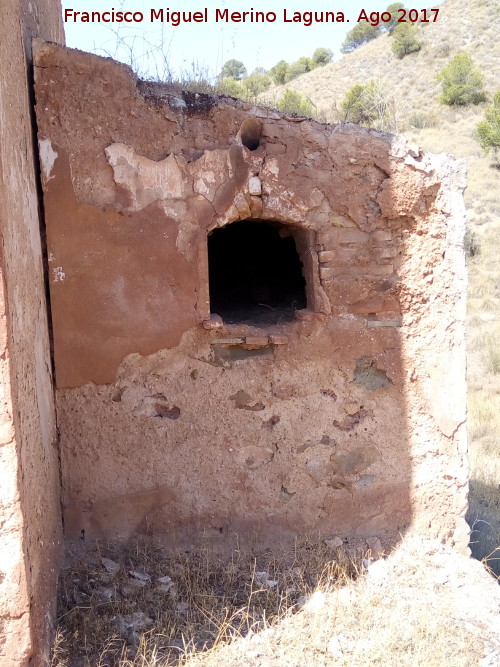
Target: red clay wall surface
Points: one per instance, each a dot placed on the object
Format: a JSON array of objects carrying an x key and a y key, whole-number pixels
[
  {"x": 348, "y": 418},
  {"x": 30, "y": 525}
]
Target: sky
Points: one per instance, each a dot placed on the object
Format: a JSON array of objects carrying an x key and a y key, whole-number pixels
[{"x": 205, "y": 47}]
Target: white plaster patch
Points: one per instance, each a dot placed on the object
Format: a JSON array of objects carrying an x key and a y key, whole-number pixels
[
  {"x": 185, "y": 241},
  {"x": 58, "y": 274},
  {"x": 175, "y": 209},
  {"x": 254, "y": 185},
  {"x": 47, "y": 158},
  {"x": 209, "y": 177},
  {"x": 201, "y": 188},
  {"x": 272, "y": 166},
  {"x": 145, "y": 180}
]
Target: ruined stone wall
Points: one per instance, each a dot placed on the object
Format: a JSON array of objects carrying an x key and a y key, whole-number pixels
[
  {"x": 29, "y": 490},
  {"x": 347, "y": 420}
]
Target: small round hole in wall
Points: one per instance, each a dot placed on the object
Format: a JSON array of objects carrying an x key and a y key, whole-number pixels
[{"x": 249, "y": 133}]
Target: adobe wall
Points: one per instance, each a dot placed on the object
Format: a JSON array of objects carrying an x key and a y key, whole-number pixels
[
  {"x": 30, "y": 539},
  {"x": 349, "y": 419}
]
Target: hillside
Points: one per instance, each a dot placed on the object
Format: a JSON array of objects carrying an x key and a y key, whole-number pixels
[{"x": 471, "y": 26}]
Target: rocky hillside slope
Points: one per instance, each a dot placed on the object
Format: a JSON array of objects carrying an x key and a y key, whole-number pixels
[{"x": 468, "y": 25}]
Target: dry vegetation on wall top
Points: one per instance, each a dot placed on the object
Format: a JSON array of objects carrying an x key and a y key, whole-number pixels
[{"x": 470, "y": 26}]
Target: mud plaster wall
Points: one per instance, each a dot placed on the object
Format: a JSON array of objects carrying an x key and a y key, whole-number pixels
[
  {"x": 348, "y": 420},
  {"x": 29, "y": 487}
]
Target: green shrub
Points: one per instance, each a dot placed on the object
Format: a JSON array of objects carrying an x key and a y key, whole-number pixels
[
  {"x": 462, "y": 82},
  {"x": 278, "y": 72},
  {"x": 284, "y": 72},
  {"x": 405, "y": 40},
  {"x": 232, "y": 88},
  {"x": 361, "y": 34},
  {"x": 367, "y": 105},
  {"x": 300, "y": 66},
  {"x": 353, "y": 106},
  {"x": 293, "y": 102},
  {"x": 233, "y": 69},
  {"x": 322, "y": 56},
  {"x": 256, "y": 83},
  {"x": 488, "y": 130},
  {"x": 393, "y": 11}
]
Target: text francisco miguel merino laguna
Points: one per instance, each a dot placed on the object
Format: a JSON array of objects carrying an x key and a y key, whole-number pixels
[{"x": 176, "y": 18}]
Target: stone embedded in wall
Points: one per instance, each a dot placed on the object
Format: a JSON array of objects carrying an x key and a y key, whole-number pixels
[
  {"x": 245, "y": 402},
  {"x": 355, "y": 462},
  {"x": 368, "y": 375},
  {"x": 253, "y": 456},
  {"x": 297, "y": 409},
  {"x": 141, "y": 404},
  {"x": 352, "y": 419}
]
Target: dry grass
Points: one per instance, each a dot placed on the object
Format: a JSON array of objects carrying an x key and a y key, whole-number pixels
[
  {"x": 407, "y": 611},
  {"x": 424, "y": 606},
  {"x": 209, "y": 603}
]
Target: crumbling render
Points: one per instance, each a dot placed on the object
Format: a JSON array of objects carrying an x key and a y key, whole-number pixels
[{"x": 341, "y": 410}]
